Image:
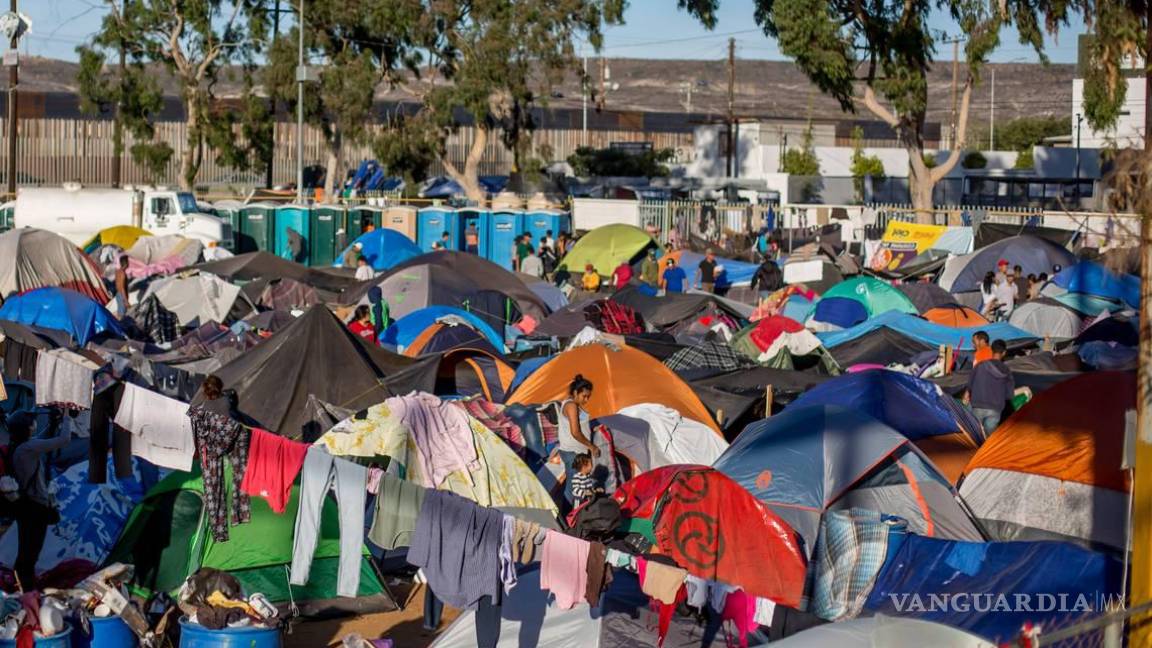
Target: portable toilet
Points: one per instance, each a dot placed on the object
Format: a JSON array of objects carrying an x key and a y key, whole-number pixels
[
  {"x": 540, "y": 221},
  {"x": 256, "y": 232},
  {"x": 325, "y": 236},
  {"x": 291, "y": 227},
  {"x": 478, "y": 218},
  {"x": 359, "y": 218},
  {"x": 229, "y": 212},
  {"x": 7, "y": 216},
  {"x": 432, "y": 222},
  {"x": 401, "y": 219},
  {"x": 503, "y": 228}
]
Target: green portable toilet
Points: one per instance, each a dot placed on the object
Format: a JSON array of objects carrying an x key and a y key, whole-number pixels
[
  {"x": 256, "y": 228},
  {"x": 359, "y": 217},
  {"x": 292, "y": 228},
  {"x": 324, "y": 243},
  {"x": 229, "y": 212},
  {"x": 7, "y": 216}
]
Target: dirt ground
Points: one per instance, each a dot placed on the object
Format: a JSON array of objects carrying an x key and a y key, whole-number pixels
[{"x": 405, "y": 627}]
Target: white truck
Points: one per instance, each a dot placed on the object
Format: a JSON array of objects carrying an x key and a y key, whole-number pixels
[{"x": 79, "y": 213}]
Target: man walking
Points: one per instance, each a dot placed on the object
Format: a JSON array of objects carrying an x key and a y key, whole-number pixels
[{"x": 991, "y": 387}]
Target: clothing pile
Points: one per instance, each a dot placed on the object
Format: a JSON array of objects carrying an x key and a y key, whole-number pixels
[{"x": 215, "y": 600}]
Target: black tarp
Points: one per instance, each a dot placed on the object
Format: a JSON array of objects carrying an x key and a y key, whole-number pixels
[
  {"x": 926, "y": 296},
  {"x": 316, "y": 356},
  {"x": 673, "y": 308},
  {"x": 988, "y": 233},
  {"x": 1038, "y": 372},
  {"x": 882, "y": 346},
  {"x": 264, "y": 265},
  {"x": 740, "y": 394}
]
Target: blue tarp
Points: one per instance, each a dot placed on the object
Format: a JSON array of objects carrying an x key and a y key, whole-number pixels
[
  {"x": 406, "y": 329},
  {"x": 839, "y": 311},
  {"x": 912, "y": 406},
  {"x": 1108, "y": 356},
  {"x": 973, "y": 575},
  {"x": 1088, "y": 305},
  {"x": 62, "y": 310},
  {"x": 383, "y": 248},
  {"x": 1092, "y": 278},
  {"x": 925, "y": 331},
  {"x": 797, "y": 307},
  {"x": 445, "y": 187},
  {"x": 736, "y": 273}
]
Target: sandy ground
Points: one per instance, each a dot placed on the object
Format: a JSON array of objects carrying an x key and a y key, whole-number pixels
[{"x": 405, "y": 627}]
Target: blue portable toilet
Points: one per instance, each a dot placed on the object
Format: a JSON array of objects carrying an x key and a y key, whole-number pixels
[
  {"x": 478, "y": 218},
  {"x": 432, "y": 222},
  {"x": 503, "y": 228},
  {"x": 292, "y": 227},
  {"x": 537, "y": 223}
]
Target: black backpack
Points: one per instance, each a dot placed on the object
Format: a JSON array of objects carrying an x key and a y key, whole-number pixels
[{"x": 598, "y": 519}]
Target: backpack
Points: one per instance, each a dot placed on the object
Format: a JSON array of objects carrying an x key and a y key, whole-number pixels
[{"x": 598, "y": 519}]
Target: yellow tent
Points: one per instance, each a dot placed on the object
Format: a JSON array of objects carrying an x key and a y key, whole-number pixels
[{"x": 122, "y": 236}]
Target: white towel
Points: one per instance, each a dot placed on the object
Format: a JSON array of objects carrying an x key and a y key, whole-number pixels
[
  {"x": 64, "y": 378},
  {"x": 161, "y": 429}
]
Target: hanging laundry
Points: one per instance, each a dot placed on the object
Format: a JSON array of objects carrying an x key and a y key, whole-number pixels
[
  {"x": 492, "y": 416},
  {"x": 664, "y": 614},
  {"x": 740, "y": 609},
  {"x": 441, "y": 432},
  {"x": 660, "y": 581},
  {"x": 368, "y": 433},
  {"x": 64, "y": 378},
  {"x": 161, "y": 428},
  {"x": 697, "y": 591},
  {"x": 718, "y": 595},
  {"x": 507, "y": 566},
  {"x": 321, "y": 473},
  {"x": 599, "y": 573},
  {"x": 526, "y": 537},
  {"x": 398, "y": 505},
  {"x": 374, "y": 475},
  {"x": 457, "y": 544},
  {"x": 564, "y": 568},
  {"x": 273, "y": 464},
  {"x": 100, "y": 430},
  {"x": 621, "y": 559},
  {"x": 218, "y": 436},
  {"x": 765, "y": 608}
]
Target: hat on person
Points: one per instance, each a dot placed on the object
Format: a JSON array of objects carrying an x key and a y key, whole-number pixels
[
  {"x": 1002, "y": 262},
  {"x": 358, "y": 245}
]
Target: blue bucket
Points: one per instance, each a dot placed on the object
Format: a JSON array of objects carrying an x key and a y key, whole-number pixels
[
  {"x": 194, "y": 635},
  {"x": 107, "y": 632},
  {"x": 62, "y": 640}
]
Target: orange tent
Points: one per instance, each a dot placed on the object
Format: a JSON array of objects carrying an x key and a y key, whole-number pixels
[
  {"x": 620, "y": 377},
  {"x": 955, "y": 316},
  {"x": 1052, "y": 470}
]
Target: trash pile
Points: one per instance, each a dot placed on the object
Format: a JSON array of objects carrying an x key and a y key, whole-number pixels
[{"x": 215, "y": 600}]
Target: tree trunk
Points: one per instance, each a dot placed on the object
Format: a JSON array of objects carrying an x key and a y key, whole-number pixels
[
  {"x": 190, "y": 156},
  {"x": 469, "y": 177},
  {"x": 332, "y": 167},
  {"x": 920, "y": 186}
]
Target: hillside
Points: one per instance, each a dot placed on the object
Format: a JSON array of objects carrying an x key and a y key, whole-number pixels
[{"x": 763, "y": 88}]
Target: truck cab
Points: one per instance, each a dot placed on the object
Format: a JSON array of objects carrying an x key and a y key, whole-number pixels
[{"x": 176, "y": 212}]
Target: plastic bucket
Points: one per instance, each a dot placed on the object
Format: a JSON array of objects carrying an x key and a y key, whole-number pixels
[
  {"x": 107, "y": 632},
  {"x": 62, "y": 640},
  {"x": 194, "y": 635}
]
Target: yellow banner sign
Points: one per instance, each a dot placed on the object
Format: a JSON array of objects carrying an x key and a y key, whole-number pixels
[{"x": 902, "y": 242}]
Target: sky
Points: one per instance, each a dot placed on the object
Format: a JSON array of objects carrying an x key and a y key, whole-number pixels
[{"x": 654, "y": 29}]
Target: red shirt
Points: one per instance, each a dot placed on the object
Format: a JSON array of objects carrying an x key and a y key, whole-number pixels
[
  {"x": 622, "y": 275},
  {"x": 363, "y": 330}
]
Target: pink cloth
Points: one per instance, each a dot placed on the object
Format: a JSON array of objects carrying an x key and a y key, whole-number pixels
[
  {"x": 273, "y": 464},
  {"x": 165, "y": 266},
  {"x": 564, "y": 568},
  {"x": 441, "y": 432},
  {"x": 740, "y": 609}
]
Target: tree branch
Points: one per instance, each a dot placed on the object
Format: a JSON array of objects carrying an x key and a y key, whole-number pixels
[
  {"x": 961, "y": 134},
  {"x": 873, "y": 104}
]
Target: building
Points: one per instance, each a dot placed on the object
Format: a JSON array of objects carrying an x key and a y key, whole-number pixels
[{"x": 1129, "y": 128}]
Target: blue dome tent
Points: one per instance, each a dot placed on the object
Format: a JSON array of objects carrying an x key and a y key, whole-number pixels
[
  {"x": 62, "y": 310},
  {"x": 383, "y": 248}
]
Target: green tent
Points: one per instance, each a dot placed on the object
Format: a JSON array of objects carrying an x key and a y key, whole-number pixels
[
  {"x": 167, "y": 539},
  {"x": 605, "y": 247},
  {"x": 875, "y": 295},
  {"x": 742, "y": 344}
]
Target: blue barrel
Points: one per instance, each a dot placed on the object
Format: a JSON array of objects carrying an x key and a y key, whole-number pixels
[
  {"x": 107, "y": 632},
  {"x": 62, "y": 640},
  {"x": 194, "y": 635}
]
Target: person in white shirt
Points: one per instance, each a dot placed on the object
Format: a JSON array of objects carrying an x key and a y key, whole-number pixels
[
  {"x": 213, "y": 252},
  {"x": 532, "y": 264},
  {"x": 1005, "y": 293},
  {"x": 364, "y": 271}
]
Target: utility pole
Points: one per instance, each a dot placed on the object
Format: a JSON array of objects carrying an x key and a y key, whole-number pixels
[
  {"x": 731, "y": 107},
  {"x": 13, "y": 111},
  {"x": 601, "y": 98},
  {"x": 301, "y": 74},
  {"x": 955, "y": 81},
  {"x": 272, "y": 105}
]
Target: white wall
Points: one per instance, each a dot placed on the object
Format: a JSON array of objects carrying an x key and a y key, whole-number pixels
[
  {"x": 590, "y": 213},
  {"x": 1129, "y": 129}
]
